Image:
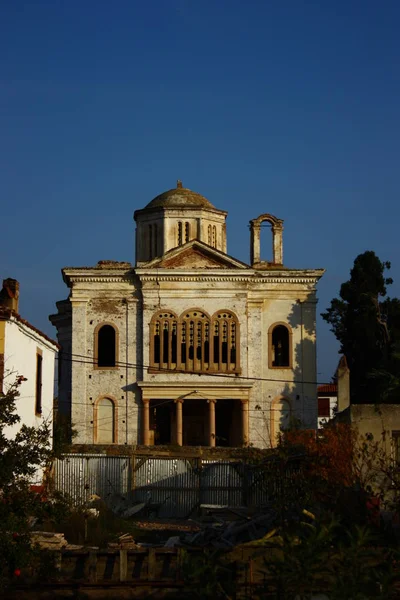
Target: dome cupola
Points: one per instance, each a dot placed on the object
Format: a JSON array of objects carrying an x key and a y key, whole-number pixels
[{"x": 174, "y": 218}]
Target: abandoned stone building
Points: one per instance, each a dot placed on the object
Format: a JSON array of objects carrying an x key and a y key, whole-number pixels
[{"x": 190, "y": 346}]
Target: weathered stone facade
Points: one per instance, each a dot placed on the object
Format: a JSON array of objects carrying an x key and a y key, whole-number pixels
[{"x": 205, "y": 349}]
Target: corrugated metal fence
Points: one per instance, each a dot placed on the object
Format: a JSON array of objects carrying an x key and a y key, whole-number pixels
[{"x": 171, "y": 486}]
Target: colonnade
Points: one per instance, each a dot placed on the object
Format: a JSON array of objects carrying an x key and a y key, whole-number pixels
[{"x": 179, "y": 421}]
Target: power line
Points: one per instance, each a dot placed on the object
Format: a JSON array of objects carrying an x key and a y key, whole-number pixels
[{"x": 232, "y": 376}]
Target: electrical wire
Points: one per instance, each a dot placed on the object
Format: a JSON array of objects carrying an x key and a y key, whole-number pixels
[{"x": 232, "y": 376}]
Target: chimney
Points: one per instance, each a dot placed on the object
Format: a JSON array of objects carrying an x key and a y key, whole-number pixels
[
  {"x": 9, "y": 295},
  {"x": 343, "y": 383}
]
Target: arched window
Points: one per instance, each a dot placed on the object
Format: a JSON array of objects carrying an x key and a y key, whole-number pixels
[
  {"x": 195, "y": 342},
  {"x": 187, "y": 232},
  {"x": 214, "y": 237},
  {"x": 155, "y": 239},
  {"x": 209, "y": 235},
  {"x": 163, "y": 340},
  {"x": 280, "y": 346},
  {"x": 180, "y": 233},
  {"x": 150, "y": 241},
  {"x": 106, "y": 346},
  {"x": 194, "y": 327},
  {"x": 225, "y": 328},
  {"x": 105, "y": 421}
]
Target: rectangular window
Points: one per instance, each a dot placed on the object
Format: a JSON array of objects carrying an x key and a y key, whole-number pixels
[
  {"x": 324, "y": 407},
  {"x": 38, "y": 396}
]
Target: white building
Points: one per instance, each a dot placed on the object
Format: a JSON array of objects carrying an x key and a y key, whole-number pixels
[
  {"x": 327, "y": 403},
  {"x": 25, "y": 351},
  {"x": 191, "y": 346}
]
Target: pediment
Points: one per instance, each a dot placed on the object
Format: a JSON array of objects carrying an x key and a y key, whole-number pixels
[{"x": 196, "y": 255}]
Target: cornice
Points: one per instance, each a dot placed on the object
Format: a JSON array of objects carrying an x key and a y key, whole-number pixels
[
  {"x": 252, "y": 278},
  {"x": 196, "y": 390},
  {"x": 119, "y": 273},
  {"x": 197, "y": 385},
  {"x": 99, "y": 279}
]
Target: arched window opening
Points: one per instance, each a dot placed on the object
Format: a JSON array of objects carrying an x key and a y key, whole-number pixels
[
  {"x": 157, "y": 348},
  {"x": 183, "y": 342},
  {"x": 216, "y": 343},
  {"x": 233, "y": 343},
  {"x": 225, "y": 327},
  {"x": 214, "y": 237},
  {"x": 155, "y": 239},
  {"x": 105, "y": 425},
  {"x": 150, "y": 241},
  {"x": 187, "y": 232},
  {"x": 276, "y": 227},
  {"x": 280, "y": 346},
  {"x": 166, "y": 336},
  {"x": 266, "y": 243},
  {"x": 191, "y": 340},
  {"x": 209, "y": 235},
  {"x": 106, "y": 346},
  {"x": 195, "y": 342},
  {"x": 225, "y": 342},
  {"x": 180, "y": 233},
  {"x": 174, "y": 343},
  {"x": 199, "y": 341},
  {"x": 206, "y": 342},
  {"x": 163, "y": 341}
]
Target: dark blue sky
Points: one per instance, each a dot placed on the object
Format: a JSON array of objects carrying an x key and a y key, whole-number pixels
[{"x": 286, "y": 107}]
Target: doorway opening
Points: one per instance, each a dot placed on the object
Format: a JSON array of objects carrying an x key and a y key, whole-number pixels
[
  {"x": 161, "y": 422},
  {"x": 228, "y": 423}
]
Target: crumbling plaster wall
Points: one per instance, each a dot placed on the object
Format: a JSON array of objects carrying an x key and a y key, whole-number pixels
[
  {"x": 257, "y": 310},
  {"x": 116, "y": 305},
  {"x": 380, "y": 420},
  {"x": 258, "y": 306},
  {"x": 297, "y": 383}
]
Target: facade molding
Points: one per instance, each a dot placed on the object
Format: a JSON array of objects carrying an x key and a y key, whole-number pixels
[
  {"x": 241, "y": 278},
  {"x": 211, "y": 391}
]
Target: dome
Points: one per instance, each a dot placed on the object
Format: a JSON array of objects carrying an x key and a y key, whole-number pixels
[{"x": 180, "y": 197}]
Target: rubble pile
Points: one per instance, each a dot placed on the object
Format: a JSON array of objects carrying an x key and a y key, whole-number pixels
[
  {"x": 225, "y": 534},
  {"x": 125, "y": 542},
  {"x": 49, "y": 540},
  {"x": 168, "y": 524}
]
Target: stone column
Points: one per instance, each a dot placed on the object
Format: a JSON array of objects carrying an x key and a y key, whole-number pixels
[
  {"x": 255, "y": 229},
  {"x": 245, "y": 421},
  {"x": 146, "y": 421},
  {"x": 212, "y": 440},
  {"x": 179, "y": 421},
  {"x": 277, "y": 241}
]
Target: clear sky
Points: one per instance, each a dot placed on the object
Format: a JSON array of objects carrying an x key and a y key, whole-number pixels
[{"x": 283, "y": 106}]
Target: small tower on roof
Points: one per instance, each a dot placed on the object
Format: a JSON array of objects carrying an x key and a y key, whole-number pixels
[
  {"x": 255, "y": 242},
  {"x": 173, "y": 219}
]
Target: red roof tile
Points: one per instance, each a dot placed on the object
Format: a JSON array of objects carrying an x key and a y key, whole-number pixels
[{"x": 327, "y": 388}]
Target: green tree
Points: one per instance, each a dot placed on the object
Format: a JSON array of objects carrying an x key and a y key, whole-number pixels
[
  {"x": 368, "y": 329},
  {"x": 21, "y": 456}
]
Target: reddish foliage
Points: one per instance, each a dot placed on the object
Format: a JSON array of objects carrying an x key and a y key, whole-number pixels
[{"x": 331, "y": 452}]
